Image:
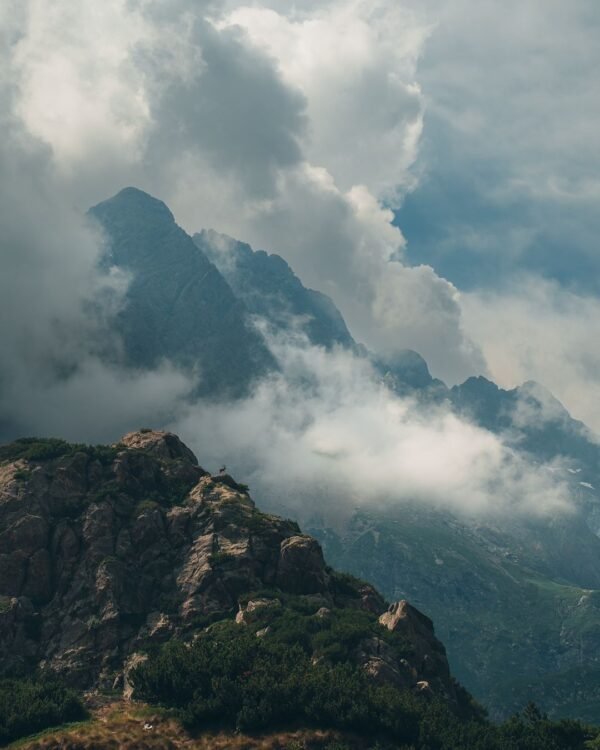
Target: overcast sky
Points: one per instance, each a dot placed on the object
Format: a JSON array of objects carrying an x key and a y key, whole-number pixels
[{"x": 460, "y": 138}]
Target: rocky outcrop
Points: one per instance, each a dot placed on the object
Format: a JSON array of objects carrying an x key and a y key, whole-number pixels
[
  {"x": 301, "y": 568},
  {"x": 420, "y": 666},
  {"x": 104, "y": 551},
  {"x": 429, "y": 661}
]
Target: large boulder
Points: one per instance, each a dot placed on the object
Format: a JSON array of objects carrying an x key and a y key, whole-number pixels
[{"x": 301, "y": 567}]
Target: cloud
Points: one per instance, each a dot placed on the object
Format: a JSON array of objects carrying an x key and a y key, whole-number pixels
[
  {"x": 96, "y": 403},
  {"x": 355, "y": 63},
  {"x": 297, "y": 129},
  {"x": 506, "y": 205},
  {"x": 509, "y": 157},
  {"x": 59, "y": 371},
  {"x": 232, "y": 109},
  {"x": 332, "y": 436},
  {"x": 253, "y": 121},
  {"x": 537, "y": 330}
]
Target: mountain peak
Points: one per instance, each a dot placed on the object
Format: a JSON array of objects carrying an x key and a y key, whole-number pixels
[
  {"x": 178, "y": 306},
  {"x": 161, "y": 444},
  {"x": 133, "y": 199}
]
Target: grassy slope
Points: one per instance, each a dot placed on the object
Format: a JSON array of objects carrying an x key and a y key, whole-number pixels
[{"x": 120, "y": 726}]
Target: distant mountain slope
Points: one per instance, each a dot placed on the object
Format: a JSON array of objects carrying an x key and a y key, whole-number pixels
[
  {"x": 270, "y": 289},
  {"x": 532, "y": 420},
  {"x": 515, "y": 602},
  {"x": 406, "y": 373},
  {"x": 178, "y": 306},
  {"x": 538, "y": 420}
]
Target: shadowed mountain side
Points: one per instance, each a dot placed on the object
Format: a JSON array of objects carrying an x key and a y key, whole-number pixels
[
  {"x": 270, "y": 289},
  {"x": 514, "y": 602},
  {"x": 178, "y": 306}
]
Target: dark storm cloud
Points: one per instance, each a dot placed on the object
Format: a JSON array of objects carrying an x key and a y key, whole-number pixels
[{"x": 233, "y": 108}]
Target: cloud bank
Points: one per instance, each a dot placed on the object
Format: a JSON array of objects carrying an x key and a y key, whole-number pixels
[
  {"x": 298, "y": 130},
  {"x": 259, "y": 122},
  {"x": 540, "y": 331},
  {"x": 331, "y": 437}
]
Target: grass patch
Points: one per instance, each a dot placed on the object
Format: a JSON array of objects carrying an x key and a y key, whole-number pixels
[{"x": 50, "y": 732}]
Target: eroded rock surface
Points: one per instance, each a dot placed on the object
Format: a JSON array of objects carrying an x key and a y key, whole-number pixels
[{"x": 104, "y": 551}]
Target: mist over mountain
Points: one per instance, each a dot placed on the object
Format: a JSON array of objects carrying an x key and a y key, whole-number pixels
[
  {"x": 271, "y": 291},
  {"x": 477, "y": 503},
  {"x": 177, "y": 306},
  {"x": 500, "y": 507},
  {"x": 354, "y": 269}
]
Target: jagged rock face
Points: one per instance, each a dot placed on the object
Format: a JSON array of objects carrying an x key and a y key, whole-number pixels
[
  {"x": 269, "y": 288},
  {"x": 427, "y": 669},
  {"x": 178, "y": 306},
  {"x": 429, "y": 652},
  {"x": 105, "y": 551}
]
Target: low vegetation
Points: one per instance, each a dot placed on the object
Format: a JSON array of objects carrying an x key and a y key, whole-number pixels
[
  {"x": 47, "y": 449},
  {"x": 299, "y": 673},
  {"x": 31, "y": 705}
]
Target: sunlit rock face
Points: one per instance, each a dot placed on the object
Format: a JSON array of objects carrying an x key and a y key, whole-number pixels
[{"x": 107, "y": 550}]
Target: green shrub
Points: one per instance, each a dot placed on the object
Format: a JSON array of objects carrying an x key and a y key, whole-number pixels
[
  {"x": 105, "y": 454},
  {"x": 230, "y": 677},
  {"x": 145, "y": 505},
  {"x": 302, "y": 673},
  {"x": 34, "y": 449},
  {"x": 31, "y": 705},
  {"x": 22, "y": 475},
  {"x": 46, "y": 449}
]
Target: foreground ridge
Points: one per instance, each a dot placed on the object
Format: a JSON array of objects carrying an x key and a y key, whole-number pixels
[
  {"x": 107, "y": 551},
  {"x": 185, "y": 617}
]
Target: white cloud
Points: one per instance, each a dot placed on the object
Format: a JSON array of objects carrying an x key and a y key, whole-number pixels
[
  {"x": 286, "y": 126},
  {"x": 355, "y": 62},
  {"x": 539, "y": 331},
  {"x": 54, "y": 298},
  {"x": 79, "y": 88},
  {"x": 285, "y": 129},
  {"x": 332, "y": 436},
  {"x": 519, "y": 81},
  {"x": 96, "y": 403}
]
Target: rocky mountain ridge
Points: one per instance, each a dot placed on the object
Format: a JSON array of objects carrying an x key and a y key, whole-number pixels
[
  {"x": 270, "y": 290},
  {"x": 178, "y": 306},
  {"x": 108, "y": 551}
]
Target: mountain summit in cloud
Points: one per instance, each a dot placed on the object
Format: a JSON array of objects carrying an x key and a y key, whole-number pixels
[
  {"x": 370, "y": 291},
  {"x": 177, "y": 307}
]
